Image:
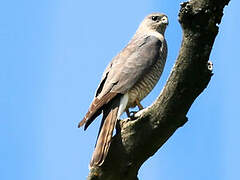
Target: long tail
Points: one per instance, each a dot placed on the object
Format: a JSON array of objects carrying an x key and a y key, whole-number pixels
[{"x": 109, "y": 120}]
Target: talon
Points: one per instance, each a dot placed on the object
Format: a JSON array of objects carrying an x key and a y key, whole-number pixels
[
  {"x": 128, "y": 113},
  {"x": 132, "y": 115}
]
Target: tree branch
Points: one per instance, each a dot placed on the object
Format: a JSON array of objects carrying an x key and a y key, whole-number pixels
[{"x": 137, "y": 140}]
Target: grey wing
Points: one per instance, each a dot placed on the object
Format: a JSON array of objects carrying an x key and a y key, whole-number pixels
[
  {"x": 107, "y": 80},
  {"x": 130, "y": 65},
  {"x": 104, "y": 76},
  {"x": 138, "y": 63}
]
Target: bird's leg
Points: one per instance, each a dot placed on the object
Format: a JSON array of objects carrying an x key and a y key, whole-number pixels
[
  {"x": 136, "y": 114},
  {"x": 140, "y": 107},
  {"x": 131, "y": 114},
  {"x": 128, "y": 113}
]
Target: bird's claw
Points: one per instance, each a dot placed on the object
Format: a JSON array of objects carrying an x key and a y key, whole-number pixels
[{"x": 132, "y": 115}]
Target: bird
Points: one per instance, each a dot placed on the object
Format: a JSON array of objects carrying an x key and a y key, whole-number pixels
[{"x": 127, "y": 80}]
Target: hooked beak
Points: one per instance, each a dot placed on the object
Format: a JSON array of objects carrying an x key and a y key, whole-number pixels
[{"x": 164, "y": 20}]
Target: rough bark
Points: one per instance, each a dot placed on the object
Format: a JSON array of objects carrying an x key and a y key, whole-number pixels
[{"x": 137, "y": 140}]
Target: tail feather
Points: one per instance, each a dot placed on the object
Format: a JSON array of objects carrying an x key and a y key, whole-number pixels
[{"x": 109, "y": 120}]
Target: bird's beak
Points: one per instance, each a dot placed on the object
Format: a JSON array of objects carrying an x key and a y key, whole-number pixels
[{"x": 165, "y": 20}]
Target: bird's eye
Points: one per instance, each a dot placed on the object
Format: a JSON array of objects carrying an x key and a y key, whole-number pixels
[{"x": 154, "y": 18}]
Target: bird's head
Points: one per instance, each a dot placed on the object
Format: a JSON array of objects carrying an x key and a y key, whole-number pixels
[{"x": 155, "y": 21}]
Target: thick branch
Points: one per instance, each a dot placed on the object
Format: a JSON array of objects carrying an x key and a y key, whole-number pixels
[{"x": 137, "y": 140}]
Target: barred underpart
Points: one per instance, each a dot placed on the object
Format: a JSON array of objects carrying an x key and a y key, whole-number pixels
[{"x": 145, "y": 85}]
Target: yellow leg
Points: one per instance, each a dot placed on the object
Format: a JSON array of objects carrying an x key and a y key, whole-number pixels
[
  {"x": 139, "y": 105},
  {"x": 128, "y": 113}
]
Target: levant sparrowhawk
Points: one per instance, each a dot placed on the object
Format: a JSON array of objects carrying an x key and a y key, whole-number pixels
[{"x": 128, "y": 78}]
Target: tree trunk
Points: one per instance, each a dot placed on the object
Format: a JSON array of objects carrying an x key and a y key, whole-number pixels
[{"x": 137, "y": 140}]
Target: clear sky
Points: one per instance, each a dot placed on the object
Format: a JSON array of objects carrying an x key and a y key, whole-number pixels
[{"x": 52, "y": 56}]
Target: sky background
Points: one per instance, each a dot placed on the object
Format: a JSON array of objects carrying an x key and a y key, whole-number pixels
[{"x": 52, "y": 56}]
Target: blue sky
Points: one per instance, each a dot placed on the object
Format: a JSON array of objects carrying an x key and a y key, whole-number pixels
[{"x": 53, "y": 55}]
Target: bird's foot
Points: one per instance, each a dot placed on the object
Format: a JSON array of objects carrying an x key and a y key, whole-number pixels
[
  {"x": 140, "y": 113},
  {"x": 132, "y": 115}
]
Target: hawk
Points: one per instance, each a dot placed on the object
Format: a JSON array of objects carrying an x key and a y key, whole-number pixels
[{"x": 128, "y": 78}]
